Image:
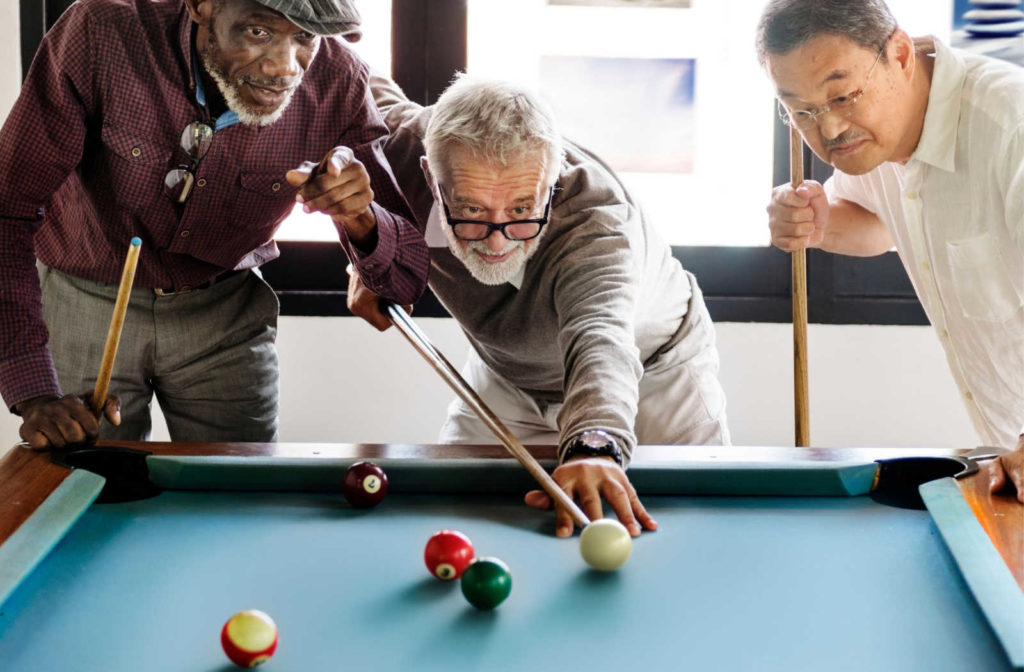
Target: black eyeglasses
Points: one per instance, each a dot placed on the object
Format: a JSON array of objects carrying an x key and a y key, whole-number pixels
[
  {"x": 195, "y": 140},
  {"x": 473, "y": 229}
]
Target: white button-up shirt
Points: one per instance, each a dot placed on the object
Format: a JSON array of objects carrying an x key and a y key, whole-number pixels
[{"x": 956, "y": 212}]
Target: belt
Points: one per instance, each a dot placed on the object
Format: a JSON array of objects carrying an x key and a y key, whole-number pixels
[{"x": 186, "y": 289}]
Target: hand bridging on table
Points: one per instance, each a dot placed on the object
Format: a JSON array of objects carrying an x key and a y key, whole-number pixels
[
  {"x": 587, "y": 480},
  {"x": 55, "y": 422},
  {"x": 339, "y": 186},
  {"x": 798, "y": 218},
  {"x": 1007, "y": 471}
]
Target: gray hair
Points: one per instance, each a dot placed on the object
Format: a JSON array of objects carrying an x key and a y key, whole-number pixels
[
  {"x": 788, "y": 24},
  {"x": 495, "y": 120}
]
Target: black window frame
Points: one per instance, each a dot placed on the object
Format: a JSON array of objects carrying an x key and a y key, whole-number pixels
[{"x": 740, "y": 284}]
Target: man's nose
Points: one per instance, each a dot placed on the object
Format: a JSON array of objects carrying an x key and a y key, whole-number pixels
[
  {"x": 281, "y": 60},
  {"x": 496, "y": 242},
  {"x": 832, "y": 125}
]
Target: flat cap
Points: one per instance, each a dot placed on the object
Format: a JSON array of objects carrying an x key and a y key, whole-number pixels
[{"x": 320, "y": 17}]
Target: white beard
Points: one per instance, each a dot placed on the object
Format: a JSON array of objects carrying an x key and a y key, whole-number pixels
[
  {"x": 492, "y": 274},
  {"x": 234, "y": 101}
]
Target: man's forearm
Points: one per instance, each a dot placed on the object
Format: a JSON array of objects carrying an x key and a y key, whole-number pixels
[{"x": 854, "y": 231}]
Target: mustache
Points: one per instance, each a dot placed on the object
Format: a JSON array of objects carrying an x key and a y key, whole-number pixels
[
  {"x": 278, "y": 83},
  {"x": 841, "y": 140},
  {"x": 482, "y": 246}
]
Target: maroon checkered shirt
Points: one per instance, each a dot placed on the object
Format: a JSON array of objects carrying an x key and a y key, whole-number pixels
[{"x": 85, "y": 149}]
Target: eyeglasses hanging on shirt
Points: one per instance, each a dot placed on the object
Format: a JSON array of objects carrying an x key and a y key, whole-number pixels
[{"x": 195, "y": 141}]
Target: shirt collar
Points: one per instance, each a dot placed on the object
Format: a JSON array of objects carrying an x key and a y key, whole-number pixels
[
  {"x": 517, "y": 280},
  {"x": 937, "y": 145},
  {"x": 185, "y": 32}
]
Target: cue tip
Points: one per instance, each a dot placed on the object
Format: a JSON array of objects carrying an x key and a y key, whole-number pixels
[{"x": 136, "y": 241}]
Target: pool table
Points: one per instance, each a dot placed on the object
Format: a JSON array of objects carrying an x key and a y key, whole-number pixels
[{"x": 765, "y": 559}]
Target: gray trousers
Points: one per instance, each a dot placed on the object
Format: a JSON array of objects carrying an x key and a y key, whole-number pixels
[{"x": 208, "y": 355}]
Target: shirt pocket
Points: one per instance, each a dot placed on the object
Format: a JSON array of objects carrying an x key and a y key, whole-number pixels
[
  {"x": 136, "y": 166},
  {"x": 263, "y": 199},
  {"x": 982, "y": 279}
]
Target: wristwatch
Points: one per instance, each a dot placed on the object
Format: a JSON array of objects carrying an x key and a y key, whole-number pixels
[{"x": 593, "y": 443}]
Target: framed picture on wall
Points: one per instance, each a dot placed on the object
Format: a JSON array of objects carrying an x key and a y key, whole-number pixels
[
  {"x": 669, "y": 94},
  {"x": 610, "y": 99}
]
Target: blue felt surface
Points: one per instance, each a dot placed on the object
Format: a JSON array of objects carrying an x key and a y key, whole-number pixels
[{"x": 726, "y": 584}]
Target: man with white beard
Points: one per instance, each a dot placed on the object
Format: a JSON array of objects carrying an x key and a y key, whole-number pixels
[
  {"x": 585, "y": 331},
  {"x": 195, "y": 126}
]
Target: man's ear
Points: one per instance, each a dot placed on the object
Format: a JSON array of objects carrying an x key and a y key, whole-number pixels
[
  {"x": 428, "y": 176},
  {"x": 200, "y": 11},
  {"x": 903, "y": 52}
]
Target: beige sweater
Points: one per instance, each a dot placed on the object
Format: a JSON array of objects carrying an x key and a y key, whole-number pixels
[{"x": 600, "y": 299}]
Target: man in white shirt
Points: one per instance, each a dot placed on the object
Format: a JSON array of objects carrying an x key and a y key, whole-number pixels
[{"x": 928, "y": 147}]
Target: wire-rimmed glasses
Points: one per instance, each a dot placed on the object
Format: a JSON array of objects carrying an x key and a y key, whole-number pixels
[{"x": 842, "y": 106}]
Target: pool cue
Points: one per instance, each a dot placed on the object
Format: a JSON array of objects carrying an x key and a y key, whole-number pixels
[
  {"x": 99, "y": 395},
  {"x": 455, "y": 380},
  {"x": 800, "y": 387}
]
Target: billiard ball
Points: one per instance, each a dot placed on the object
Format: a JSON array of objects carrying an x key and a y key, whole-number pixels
[
  {"x": 605, "y": 544},
  {"x": 486, "y": 583},
  {"x": 249, "y": 638},
  {"x": 365, "y": 485},
  {"x": 447, "y": 554}
]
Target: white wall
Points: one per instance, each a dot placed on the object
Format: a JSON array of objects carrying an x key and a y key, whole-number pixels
[
  {"x": 341, "y": 381},
  {"x": 10, "y": 53},
  {"x": 869, "y": 385}
]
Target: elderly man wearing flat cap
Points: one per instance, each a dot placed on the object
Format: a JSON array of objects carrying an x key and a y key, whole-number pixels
[{"x": 194, "y": 125}]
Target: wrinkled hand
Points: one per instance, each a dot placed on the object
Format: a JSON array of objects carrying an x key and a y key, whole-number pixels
[
  {"x": 798, "y": 218},
  {"x": 364, "y": 303},
  {"x": 587, "y": 480},
  {"x": 339, "y": 186},
  {"x": 55, "y": 422},
  {"x": 1007, "y": 472}
]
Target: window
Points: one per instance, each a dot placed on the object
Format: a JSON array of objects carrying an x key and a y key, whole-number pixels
[
  {"x": 375, "y": 49},
  {"x": 718, "y": 114},
  {"x": 658, "y": 92}
]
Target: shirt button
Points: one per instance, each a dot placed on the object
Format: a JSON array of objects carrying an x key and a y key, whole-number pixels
[
  {"x": 276, "y": 186},
  {"x": 944, "y": 333},
  {"x": 926, "y": 266},
  {"x": 912, "y": 195},
  {"x": 968, "y": 396},
  {"x": 184, "y": 234},
  {"x": 201, "y": 182},
  {"x": 136, "y": 152}
]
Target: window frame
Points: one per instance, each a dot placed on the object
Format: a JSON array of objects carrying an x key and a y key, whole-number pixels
[{"x": 740, "y": 284}]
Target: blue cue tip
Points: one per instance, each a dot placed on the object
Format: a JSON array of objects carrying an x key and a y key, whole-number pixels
[{"x": 136, "y": 241}]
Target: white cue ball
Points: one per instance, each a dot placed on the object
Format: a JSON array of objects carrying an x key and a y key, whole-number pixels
[{"x": 605, "y": 544}]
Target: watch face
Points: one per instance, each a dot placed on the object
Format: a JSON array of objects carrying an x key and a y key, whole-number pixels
[{"x": 595, "y": 439}]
